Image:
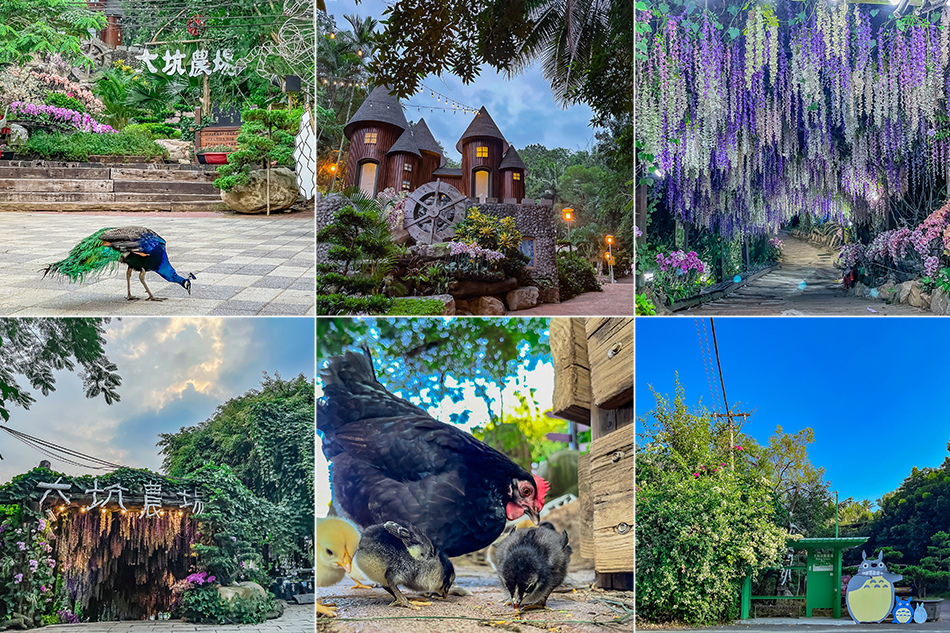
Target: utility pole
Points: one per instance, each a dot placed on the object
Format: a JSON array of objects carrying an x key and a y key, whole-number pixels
[{"x": 727, "y": 414}]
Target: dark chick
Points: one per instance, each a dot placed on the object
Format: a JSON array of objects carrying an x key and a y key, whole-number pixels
[
  {"x": 532, "y": 563},
  {"x": 392, "y": 554},
  {"x": 391, "y": 461}
]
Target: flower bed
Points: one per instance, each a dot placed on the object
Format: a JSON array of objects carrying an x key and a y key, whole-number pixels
[{"x": 32, "y": 114}]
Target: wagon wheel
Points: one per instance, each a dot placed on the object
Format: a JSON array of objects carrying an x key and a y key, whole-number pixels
[
  {"x": 432, "y": 211},
  {"x": 98, "y": 52}
]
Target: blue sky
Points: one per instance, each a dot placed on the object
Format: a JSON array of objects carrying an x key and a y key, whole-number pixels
[
  {"x": 175, "y": 372},
  {"x": 523, "y": 108},
  {"x": 869, "y": 388}
]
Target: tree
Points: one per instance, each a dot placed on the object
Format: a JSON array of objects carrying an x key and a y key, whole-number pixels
[
  {"x": 585, "y": 48},
  {"x": 701, "y": 524},
  {"x": 801, "y": 492},
  {"x": 35, "y": 348},
  {"x": 265, "y": 437},
  {"x": 933, "y": 568},
  {"x": 428, "y": 360},
  {"x": 29, "y": 27}
]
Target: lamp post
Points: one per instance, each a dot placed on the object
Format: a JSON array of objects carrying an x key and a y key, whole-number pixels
[
  {"x": 569, "y": 217},
  {"x": 610, "y": 257}
]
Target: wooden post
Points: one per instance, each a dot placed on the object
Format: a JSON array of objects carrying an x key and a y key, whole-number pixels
[{"x": 206, "y": 95}]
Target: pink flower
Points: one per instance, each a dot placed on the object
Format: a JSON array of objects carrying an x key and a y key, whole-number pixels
[{"x": 17, "y": 578}]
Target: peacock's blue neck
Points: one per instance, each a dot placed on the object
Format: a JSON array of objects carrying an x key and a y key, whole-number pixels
[{"x": 166, "y": 271}]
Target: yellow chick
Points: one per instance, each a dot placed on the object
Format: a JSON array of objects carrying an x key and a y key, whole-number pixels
[{"x": 337, "y": 540}]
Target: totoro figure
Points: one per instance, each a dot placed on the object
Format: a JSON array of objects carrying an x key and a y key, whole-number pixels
[
  {"x": 920, "y": 613},
  {"x": 870, "y": 596},
  {"x": 903, "y": 613}
]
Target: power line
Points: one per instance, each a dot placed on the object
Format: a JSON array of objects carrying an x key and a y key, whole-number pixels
[
  {"x": 60, "y": 453},
  {"x": 729, "y": 415}
]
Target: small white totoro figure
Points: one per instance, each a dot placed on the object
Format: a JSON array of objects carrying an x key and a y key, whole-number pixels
[{"x": 920, "y": 613}]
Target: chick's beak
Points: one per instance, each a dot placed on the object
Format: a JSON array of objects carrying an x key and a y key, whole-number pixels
[{"x": 347, "y": 561}]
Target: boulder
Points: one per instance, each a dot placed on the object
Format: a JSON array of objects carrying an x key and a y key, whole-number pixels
[
  {"x": 522, "y": 298},
  {"x": 438, "y": 250},
  {"x": 252, "y": 197},
  {"x": 244, "y": 590},
  {"x": 905, "y": 291},
  {"x": 890, "y": 291},
  {"x": 449, "y": 302},
  {"x": 482, "y": 288},
  {"x": 549, "y": 295},
  {"x": 860, "y": 289},
  {"x": 917, "y": 297},
  {"x": 178, "y": 151},
  {"x": 940, "y": 302},
  {"x": 487, "y": 306},
  {"x": 461, "y": 305}
]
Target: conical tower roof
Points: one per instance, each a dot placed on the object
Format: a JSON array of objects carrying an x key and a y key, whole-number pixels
[
  {"x": 426, "y": 141},
  {"x": 482, "y": 126},
  {"x": 379, "y": 107},
  {"x": 512, "y": 160},
  {"x": 405, "y": 144}
]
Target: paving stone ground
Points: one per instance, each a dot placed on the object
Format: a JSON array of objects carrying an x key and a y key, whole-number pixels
[
  {"x": 368, "y": 610},
  {"x": 778, "y": 292},
  {"x": 615, "y": 300},
  {"x": 245, "y": 265},
  {"x": 297, "y": 618}
]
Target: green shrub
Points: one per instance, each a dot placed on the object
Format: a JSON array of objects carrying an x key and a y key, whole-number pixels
[
  {"x": 81, "y": 145},
  {"x": 203, "y": 605},
  {"x": 416, "y": 306},
  {"x": 645, "y": 307},
  {"x": 343, "y": 304},
  {"x": 60, "y": 100},
  {"x": 155, "y": 130},
  {"x": 575, "y": 276}
]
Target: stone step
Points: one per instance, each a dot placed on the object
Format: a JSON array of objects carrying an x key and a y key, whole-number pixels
[
  {"x": 43, "y": 185},
  {"x": 107, "y": 173},
  {"x": 172, "y": 187},
  {"x": 127, "y": 206},
  {"x": 59, "y": 164},
  {"x": 100, "y": 196},
  {"x": 178, "y": 175}
]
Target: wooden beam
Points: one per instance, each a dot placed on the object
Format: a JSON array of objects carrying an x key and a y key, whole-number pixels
[
  {"x": 610, "y": 353},
  {"x": 612, "y": 487},
  {"x": 572, "y": 397}
]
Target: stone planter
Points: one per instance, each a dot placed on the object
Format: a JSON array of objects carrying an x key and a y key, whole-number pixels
[
  {"x": 931, "y": 606},
  {"x": 253, "y": 197},
  {"x": 213, "y": 158},
  {"x": 6, "y": 155}
]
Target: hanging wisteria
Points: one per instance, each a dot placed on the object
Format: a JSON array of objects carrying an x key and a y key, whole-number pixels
[{"x": 751, "y": 116}]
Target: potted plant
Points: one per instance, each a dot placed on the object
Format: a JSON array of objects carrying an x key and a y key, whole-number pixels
[
  {"x": 214, "y": 155},
  {"x": 257, "y": 177},
  {"x": 6, "y": 152}
]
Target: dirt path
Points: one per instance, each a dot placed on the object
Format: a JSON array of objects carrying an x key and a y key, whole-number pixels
[
  {"x": 615, "y": 300},
  {"x": 570, "y": 611},
  {"x": 779, "y": 292}
]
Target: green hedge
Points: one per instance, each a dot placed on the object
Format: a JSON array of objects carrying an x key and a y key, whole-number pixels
[{"x": 80, "y": 146}]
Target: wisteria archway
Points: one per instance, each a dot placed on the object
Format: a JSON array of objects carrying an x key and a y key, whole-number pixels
[{"x": 748, "y": 115}]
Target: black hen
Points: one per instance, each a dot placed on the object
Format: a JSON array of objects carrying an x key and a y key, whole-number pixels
[{"x": 391, "y": 461}]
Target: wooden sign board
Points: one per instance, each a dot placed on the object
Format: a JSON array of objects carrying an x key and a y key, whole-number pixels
[{"x": 211, "y": 136}]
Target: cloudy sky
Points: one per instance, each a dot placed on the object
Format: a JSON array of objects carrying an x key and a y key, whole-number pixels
[
  {"x": 175, "y": 372},
  {"x": 523, "y": 108}
]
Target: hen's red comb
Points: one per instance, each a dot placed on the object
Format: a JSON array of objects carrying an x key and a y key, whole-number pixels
[{"x": 542, "y": 487}]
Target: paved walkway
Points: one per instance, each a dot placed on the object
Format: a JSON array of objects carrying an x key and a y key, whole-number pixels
[
  {"x": 778, "y": 292},
  {"x": 245, "y": 265},
  {"x": 297, "y": 618},
  {"x": 812, "y": 625},
  {"x": 615, "y": 300},
  {"x": 368, "y": 610}
]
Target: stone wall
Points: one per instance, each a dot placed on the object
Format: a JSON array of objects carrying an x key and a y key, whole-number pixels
[
  {"x": 325, "y": 207},
  {"x": 534, "y": 220}
]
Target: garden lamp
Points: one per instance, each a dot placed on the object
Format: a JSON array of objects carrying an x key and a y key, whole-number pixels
[
  {"x": 569, "y": 217},
  {"x": 610, "y": 256}
]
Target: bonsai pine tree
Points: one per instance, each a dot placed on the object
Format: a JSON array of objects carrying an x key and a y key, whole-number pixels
[
  {"x": 933, "y": 568},
  {"x": 266, "y": 139},
  {"x": 361, "y": 255}
]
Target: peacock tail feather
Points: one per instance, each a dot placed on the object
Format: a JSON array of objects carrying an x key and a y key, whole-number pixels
[{"x": 88, "y": 258}]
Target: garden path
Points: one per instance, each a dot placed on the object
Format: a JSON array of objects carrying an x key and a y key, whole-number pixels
[
  {"x": 360, "y": 610},
  {"x": 297, "y": 618},
  {"x": 245, "y": 265},
  {"x": 777, "y": 293},
  {"x": 615, "y": 300}
]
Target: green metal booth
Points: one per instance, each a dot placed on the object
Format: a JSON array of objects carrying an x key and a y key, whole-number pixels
[{"x": 822, "y": 575}]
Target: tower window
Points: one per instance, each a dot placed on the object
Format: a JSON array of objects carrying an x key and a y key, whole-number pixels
[
  {"x": 407, "y": 167},
  {"x": 369, "y": 138},
  {"x": 405, "y": 185},
  {"x": 481, "y": 152},
  {"x": 516, "y": 176}
]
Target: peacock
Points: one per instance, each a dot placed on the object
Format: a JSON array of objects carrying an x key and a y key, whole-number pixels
[{"x": 137, "y": 247}]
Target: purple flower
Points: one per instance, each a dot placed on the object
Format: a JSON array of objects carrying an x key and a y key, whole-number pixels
[
  {"x": 21, "y": 545},
  {"x": 34, "y": 565},
  {"x": 17, "y": 579}
]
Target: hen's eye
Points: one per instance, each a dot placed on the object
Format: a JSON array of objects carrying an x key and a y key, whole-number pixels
[
  {"x": 526, "y": 492},
  {"x": 329, "y": 552}
]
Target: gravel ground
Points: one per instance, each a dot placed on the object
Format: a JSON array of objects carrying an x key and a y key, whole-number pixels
[{"x": 579, "y": 610}]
